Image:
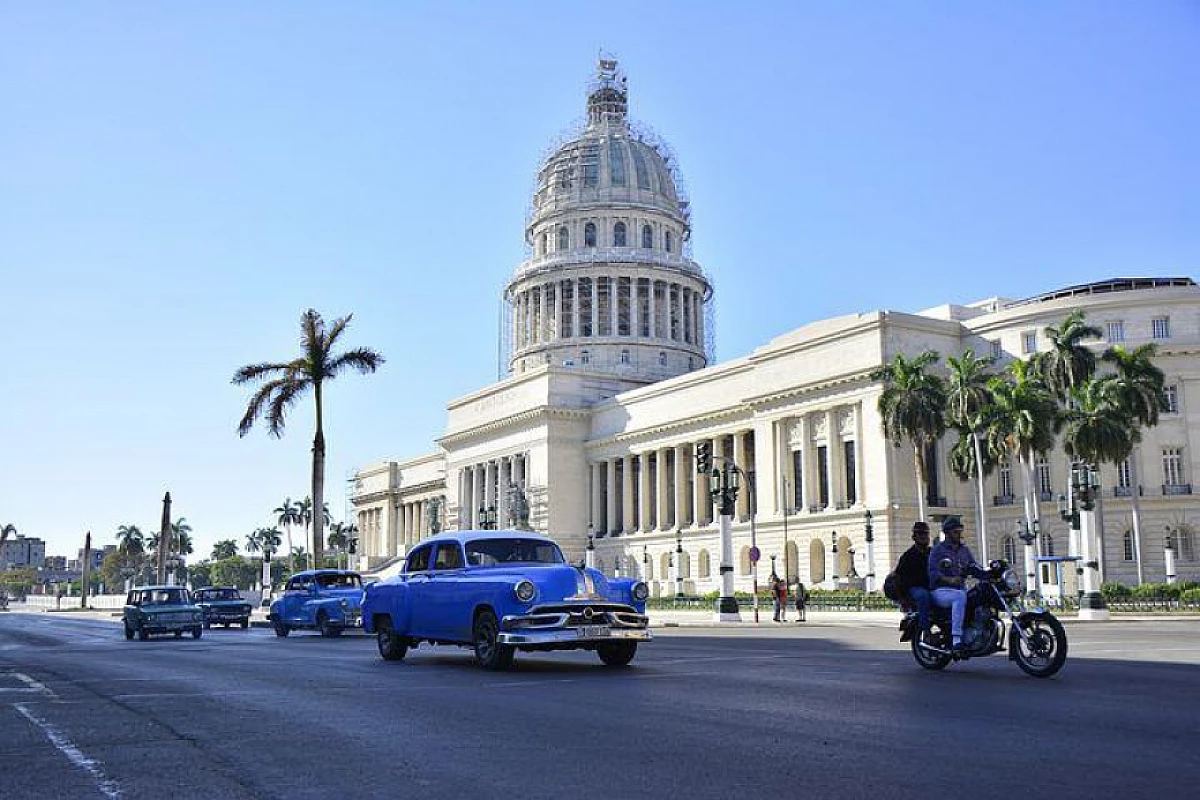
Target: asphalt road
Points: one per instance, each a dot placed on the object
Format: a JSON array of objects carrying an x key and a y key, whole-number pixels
[{"x": 772, "y": 711}]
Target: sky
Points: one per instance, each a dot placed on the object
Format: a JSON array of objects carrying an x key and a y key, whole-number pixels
[{"x": 180, "y": 181}]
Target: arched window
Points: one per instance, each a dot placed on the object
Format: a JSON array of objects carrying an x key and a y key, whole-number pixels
[
  {"x": 564, "y": 238},
  {"x": 1127, "y": 541},
  {"x": 648, "y": 567},
  {"x": 662, "y": 359},
  {"x": 545, "y": 244},
  {"x": 664, "y": 564},
  {"x": 589, "y": 235},
  {"x": 685, "y": 565},
  {"x": 668, "y": 241},
  {"x": 624, "y": 356},
  {"x": 744, "y": 561},
  {"x": 705, "y": 567},
  {"x": 816, "y": 561},
  {"x": 619, "y": 234},
  {"x": 585, "y": 357},
  {"x": 791, "y": 560},
  {"x": 647, "y": 237}
]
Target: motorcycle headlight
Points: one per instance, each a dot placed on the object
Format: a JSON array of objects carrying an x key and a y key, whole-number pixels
[
  {"x": 640, "y": 592},
  {"x": 525, "y": 590}
]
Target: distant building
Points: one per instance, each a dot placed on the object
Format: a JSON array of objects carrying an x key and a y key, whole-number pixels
[
  {"x": 55, "y": 563},
  {"x": 98, "y": 555},
  {"x": 23, "y": 551}
]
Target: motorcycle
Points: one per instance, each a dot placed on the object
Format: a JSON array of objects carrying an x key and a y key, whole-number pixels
[{"x": 1033, "y": 637}]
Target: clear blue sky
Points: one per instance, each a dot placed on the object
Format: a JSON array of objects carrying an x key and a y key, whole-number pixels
[{"x": 178, "y": 182}]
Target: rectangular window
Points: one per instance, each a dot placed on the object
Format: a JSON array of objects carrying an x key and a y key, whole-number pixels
[
  {"x": 1006, "y": 488},
  {"x": 933, "y": 487},
  {"x": 623, "y": 306},
  {"x": 1171, "y": 399},
  {"x": 535, "y": 302},
  {"x": 674, "y": 295},
  {"x": 585, "y": 306},
  {"x": 1115, "y": 330},
  {"x": 1128, "y": 542},
  {"x": 1124, "y": 481},
  {"x": 591, "y": 166},
  {"x": 997, "y": 351},
  {"x": 687, "y": 315},
  {"x": 604, "y": 306},
  {"x": 550, "y": 324},
  {"x": 565, "y": 321},
  {"x": 1029, "y": 342},
  {"x": 851, "y": 488},
  {"x": 1186, "y": 550},
  {"x": 643, "y": 306},
  {"x": 660, "y": 309},
  {"x": 798, "y": 484},
  {"x": 1172, "y": 466},
  {"x": 823, "y": 475},
  {"x": 1043, "y": 477},
  {"x": 1160, "y": 328}
]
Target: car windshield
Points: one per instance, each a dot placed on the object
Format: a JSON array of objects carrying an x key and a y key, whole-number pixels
[
  {"x": 338, "y": 581},
  {"x": 218, "y": 594},
  {"x": 487, "y": 552},
  {"x": 167, "y": 597}
]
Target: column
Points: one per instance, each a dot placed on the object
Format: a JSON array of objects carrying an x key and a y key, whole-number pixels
[
  {"x": 650, "y": 309},
  {"x": 503, "y": 478},
  {"x": 612, "y": 524},
  {"x": 574, "y": 309},
  {"x": 739, "y": 458},
  {"x": 595, "y": 307},
  {"x": 629, "y": 523},
  {"x": 645, "y": 493},
  {"x": 662, "y": 494},
  {"x": 837, "y": 489},
  {"x": 543, "y": 320},
  {"x": 682, "y": 507},
  {"x": 477, "y": 500},
  {"x": 597, "y": 513},
  {"x": 765, "y": 466}
]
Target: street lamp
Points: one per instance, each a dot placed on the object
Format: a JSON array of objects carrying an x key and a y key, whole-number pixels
[
  {"x": 1029, "y": 536},
  {"x": 834, "y": 568},
  {"x": 787, "y": 571},
  {"x": 589, "y": 555},
  {"x": 678, "y": 562},
  {"x": 774, "y": 574},
  {"x": 1169, "y": 553},
  {"x": 726, "y": 482},
  {"x": 870, "y": 531},
  {"x": 1078, "y": 510},
  {"x": 433, "y": 513},
  {"x": 645, "y": 564}
]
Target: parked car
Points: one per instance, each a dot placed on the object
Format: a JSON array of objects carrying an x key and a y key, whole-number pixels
[
  {"x": 161, "y": 609},
  {"x": 502, "y": 591},
  {"x": 327, "y": 600},
  {"x": 222, "y": 605}
]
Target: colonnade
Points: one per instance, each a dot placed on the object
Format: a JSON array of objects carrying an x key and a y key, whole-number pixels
[
  {"x": 607, "y": 306},
  {"x": 408, "y": 525},
  {"x": 484, "y": 487}
]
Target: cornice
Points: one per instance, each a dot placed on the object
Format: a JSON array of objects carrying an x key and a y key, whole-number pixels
[{"x": 513, "y": 421}]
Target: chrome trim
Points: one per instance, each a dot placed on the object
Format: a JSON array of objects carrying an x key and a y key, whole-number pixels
[{"x": 569, "y": 635}]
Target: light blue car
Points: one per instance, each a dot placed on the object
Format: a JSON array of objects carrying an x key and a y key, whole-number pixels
[
  {"x": 502, "y": 591},
  {"x": 326, "y": 600}
]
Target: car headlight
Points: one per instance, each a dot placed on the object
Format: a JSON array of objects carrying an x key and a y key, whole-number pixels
[
  {"x": 525, "y": 590},
  {"x": 640, "y": 592},
  {"x": 345, "y": 605}
]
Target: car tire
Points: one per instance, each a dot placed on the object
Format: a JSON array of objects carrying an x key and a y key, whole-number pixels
[
  {"x": 178, "y": 634},
  {"x": 327, "y": 628},
  {"x": 245, "y": 624},
  {"x": 391, "y": 646},
  {"x": 196, "y": 633},
  {"x": 142, "y": 634},
  {"x": 616, "y": 654},
  {"x": 128, "y": 632},
  {"x": 488, "y": 651},
  {"x": 281, "y": 630}
]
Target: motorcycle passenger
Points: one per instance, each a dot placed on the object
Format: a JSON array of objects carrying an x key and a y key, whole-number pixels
[
  {"x": 912, "y": 577},
  {"x": 948, "y": 579}
]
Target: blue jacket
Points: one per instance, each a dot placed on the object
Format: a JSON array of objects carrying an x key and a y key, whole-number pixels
[{"x": 962, "y": 564}]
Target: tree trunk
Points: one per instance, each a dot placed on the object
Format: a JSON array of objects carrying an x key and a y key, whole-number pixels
[
  {"x": 1032, "y": 514},
  {"x": 919, "y": 462},
  {"x": 983, "y": 547},
  {"x": 1135, "y": 478},
  {"x": 318, "y": 484}
]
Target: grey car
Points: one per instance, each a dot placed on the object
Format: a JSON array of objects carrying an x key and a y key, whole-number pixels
[{"x": 161, "y": 609}]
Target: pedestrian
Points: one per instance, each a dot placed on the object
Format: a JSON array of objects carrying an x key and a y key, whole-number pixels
[
  {"x": 801, "y": 600},
  {"x": 781, "y": 595},
  {"x": 775, "y": 596}
]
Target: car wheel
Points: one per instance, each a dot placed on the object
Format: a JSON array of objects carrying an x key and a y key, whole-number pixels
[
  {"x": 488, "y": 651},
  {"x": 128, "y": 632},
  {"x": 178, "y": 634},
  {"x": 327, "y": 628},
  {"x": 616, "y": 654},
  {"x": 391, "y": 646},
  {"x": 142, "y": 633},
  {"x": 281, "y": 629},
  {"x": 245, "y": 624},
  {"x": 196, "y": 632}
]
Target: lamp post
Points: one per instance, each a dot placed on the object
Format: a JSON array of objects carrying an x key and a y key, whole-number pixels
[
  {"x": 787, "y": 572},
  {"x": 774, "y": 574},
  {"x": 1085, "y": 486},
  {"x": 645, "y": 564},
  {"x": 1028, "y": 536},
  {"x": 833, "y": 541},
  {"x": 870, "y": 531},
  {"x": 726, "y": 482},
  {"x": 1169, "y": 554},
  {"x": 678, "y": 562},
  {"x": 434, "y": 514},
  {"x": 589, "y": 555}
]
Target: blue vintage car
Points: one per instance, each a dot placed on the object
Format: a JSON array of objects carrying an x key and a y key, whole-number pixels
[
  {"x": 328, "y": 600},
  {"x": 502, "y": 591}
]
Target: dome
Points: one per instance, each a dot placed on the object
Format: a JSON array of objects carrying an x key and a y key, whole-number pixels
[{"x": 607, "y": 163}]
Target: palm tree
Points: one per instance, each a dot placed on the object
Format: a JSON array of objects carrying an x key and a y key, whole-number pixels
[
  {"x": 288, "y": 515},
  {"x": 8, "y": 530},
  {"x": 305, "y": 509},
  {"x": 968, "y": 403},
  {"x": 286, "y": 382},
  {"x": 1068, "y": 363},
  {"x": 1140, "y": 386},
  {"x": 181, "y": 536},
  {"x": 131, "y": 540},
  {"x": 226, "y": 548},
  {"x": 337, "y": 537},
  {"x": 912, "y": 406},
  {"x": 254, "y": 541}
]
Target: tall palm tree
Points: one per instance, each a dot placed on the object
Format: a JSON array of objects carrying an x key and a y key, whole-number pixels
[
  {"x": 1023, "y": 424},
  {"x": 181, "y": 537},
  {"x": 283, "y": 383},
  {"x": 912, "y": 407},
  {"x": 131, "y": 540},
  {"x": 226, "y": 548},
  {"x": 305, "y": 509},
  {"x": 1068, "y": 363},
  {"x": 8, "y": 530},
  {"x": 968, "y": 404},
  {"x": 338, "y": 538},
  {"x": 254, "y": 541},
  {"x": 288, "y": 515},
  {"x": 1140, "y": 386},
  {"x": 269, "y": 538}
]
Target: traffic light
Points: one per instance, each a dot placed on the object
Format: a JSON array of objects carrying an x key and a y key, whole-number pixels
[{"x": 703, "y": 457}]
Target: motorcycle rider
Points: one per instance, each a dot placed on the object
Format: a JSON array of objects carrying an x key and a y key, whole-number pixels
[
  {"x": 912, "y": 577},
  {"x": 950, "y": 562}
]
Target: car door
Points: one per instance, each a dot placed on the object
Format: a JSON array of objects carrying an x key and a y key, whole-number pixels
[
  {"x": 416, "y": 577},
  {"x": 293, "y": 599},
  {"x": 443, "y": 594}
]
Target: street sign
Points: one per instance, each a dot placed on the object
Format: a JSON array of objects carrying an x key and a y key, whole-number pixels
[{"x": 755, "y": 555}]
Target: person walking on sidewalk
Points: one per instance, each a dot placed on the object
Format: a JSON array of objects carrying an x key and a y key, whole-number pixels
[{"x": 801, "y": 599}]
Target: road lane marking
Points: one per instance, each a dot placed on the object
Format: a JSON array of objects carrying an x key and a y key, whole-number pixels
[{"x": 109, "y": 788}]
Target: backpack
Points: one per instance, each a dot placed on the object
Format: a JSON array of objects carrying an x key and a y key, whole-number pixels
[{"x": 891, "y": 588}]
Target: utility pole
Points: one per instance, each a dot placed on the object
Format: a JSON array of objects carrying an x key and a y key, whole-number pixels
[{"x": 87, "y": 571}]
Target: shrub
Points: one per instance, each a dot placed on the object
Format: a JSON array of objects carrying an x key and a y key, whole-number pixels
[
  {"x": 1190, "y": 596},
  {"x": 1156, "y": 591},
  {"x": 1116, "y": 591}
]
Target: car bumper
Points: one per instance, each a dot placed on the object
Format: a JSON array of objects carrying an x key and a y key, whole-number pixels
[{"x": 567, "y": 636}]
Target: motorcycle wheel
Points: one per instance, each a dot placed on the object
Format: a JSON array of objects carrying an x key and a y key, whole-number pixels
[
  {"x": 934, "y": 636},
  {"x": 1043, "y": 650}
]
